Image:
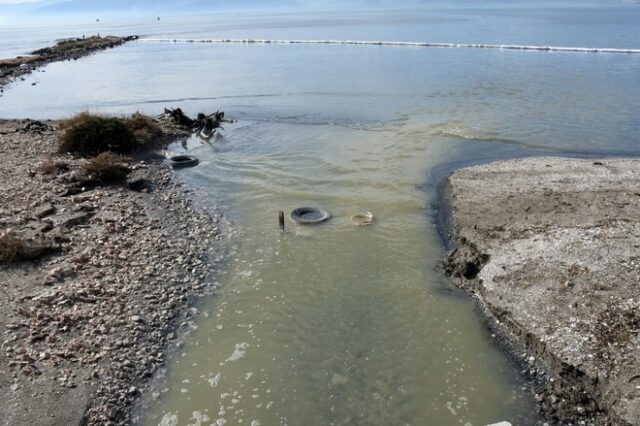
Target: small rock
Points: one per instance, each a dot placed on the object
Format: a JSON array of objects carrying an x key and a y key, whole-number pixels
[
  {"x": 45, "y": 227},
  {"x": 44, "y": 210},
  {"x": 54, "y": 276},
  {"x": 78, "y": 219}
]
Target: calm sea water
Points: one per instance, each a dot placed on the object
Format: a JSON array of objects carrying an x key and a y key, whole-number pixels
[{"x": 338, "y": 324}]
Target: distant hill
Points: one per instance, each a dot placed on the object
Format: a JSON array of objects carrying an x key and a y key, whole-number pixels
[
  {"x": 156, "y": 6},
  {"x": 46, "y": 8},
  {"x": 241, "y": 4}
]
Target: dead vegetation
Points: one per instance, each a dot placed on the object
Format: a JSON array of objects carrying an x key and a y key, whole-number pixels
[
  {"x": 15, "y": 248},
  {"x": 90, "y": 134},
  {"x": 52, "y": 167},
  {"x": 107, "y": 167},
  {"x": 145, "y": 130},
  {"x": 10, "y": 244},
  {"x": 75, "y": 120}
]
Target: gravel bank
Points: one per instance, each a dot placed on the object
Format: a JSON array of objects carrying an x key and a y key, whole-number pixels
[
  {"x": 551, "y": 249},
  {"x": 83, "y": 330}
]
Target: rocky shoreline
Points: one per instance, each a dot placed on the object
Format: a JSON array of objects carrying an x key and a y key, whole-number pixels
[
  {"x": 84, "y": 329},
  {"x": 550, "y": 248},
  {"x": 64, "y": 50}
]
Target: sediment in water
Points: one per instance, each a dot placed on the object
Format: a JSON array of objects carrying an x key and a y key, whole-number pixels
[{"x": 549, "y": 246}]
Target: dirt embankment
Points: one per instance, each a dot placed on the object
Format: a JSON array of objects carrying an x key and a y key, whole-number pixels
[
  {"x": 551, "y": 249},
  {"x": 82, "y": 329},
  {"x": 64, "y": 50}
]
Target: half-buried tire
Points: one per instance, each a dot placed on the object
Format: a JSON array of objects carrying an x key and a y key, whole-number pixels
[
  {"x": 182, "y": 161},
  {"x": 309, "y": 215}
]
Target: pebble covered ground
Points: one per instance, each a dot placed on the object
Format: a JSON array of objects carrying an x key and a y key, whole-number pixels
[{"x": 83, "y": 330}]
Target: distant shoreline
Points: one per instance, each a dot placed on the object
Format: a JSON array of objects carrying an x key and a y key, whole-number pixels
[{"x": 65, "y": 50}]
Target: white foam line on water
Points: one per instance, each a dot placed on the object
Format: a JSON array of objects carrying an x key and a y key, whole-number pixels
[{"x": 404, "y": 43}]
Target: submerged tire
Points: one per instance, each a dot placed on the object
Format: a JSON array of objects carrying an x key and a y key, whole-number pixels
[
  {"x": 182, "y": 161},
  {"x": 309, "y": 215}
]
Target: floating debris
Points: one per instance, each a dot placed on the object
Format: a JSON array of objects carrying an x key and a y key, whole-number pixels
[
  {"x": 362, "y": 219},
  {"x": 204, "y": 126}
]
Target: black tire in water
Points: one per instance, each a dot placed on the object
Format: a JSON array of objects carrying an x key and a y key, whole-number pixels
[
  {"x": 309, "y": 215},
  {"x": 182, "y": 161}
]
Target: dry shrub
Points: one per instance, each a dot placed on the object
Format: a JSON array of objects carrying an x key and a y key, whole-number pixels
[
  {"x": 76, "y": 119},
  {"x": 10, "y": 245},
  {"x": 91, "y": 135},
  {"x": 107, "y": 167},
  {"x": 52, "y": 167},
  {"x": 144, "y": 128},
  {"x": 14, "y": 248}
]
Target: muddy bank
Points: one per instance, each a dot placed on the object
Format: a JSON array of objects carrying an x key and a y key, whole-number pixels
[
  {"x": 83, "y": 328},
  {"x": 64, "y": 50},
  {"x": 551, "y": 248}
]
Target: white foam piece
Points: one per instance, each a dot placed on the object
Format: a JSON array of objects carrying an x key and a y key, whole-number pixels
[
  {"x": 500, "y": 424},
  {"x": 406, "y": 43}
]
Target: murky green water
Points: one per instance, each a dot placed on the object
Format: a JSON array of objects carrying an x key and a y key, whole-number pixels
[{"x": 333, "y": 324}]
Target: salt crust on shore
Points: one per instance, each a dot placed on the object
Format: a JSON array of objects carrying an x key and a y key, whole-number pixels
[{"x": 551, "y": 249}]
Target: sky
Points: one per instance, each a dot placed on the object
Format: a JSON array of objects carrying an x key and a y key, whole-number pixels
[{"x": 17, "y": 1}]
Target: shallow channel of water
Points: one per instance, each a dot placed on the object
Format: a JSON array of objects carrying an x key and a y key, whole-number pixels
[
  {"x": 333, "y": 324},
  {"x": 339, "y": 324}
]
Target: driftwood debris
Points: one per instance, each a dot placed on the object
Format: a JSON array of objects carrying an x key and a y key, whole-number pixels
[{"x": 204, "y": 125}]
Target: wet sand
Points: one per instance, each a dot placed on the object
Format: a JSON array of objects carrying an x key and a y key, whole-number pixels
[{"x": 551, "y": 249}]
